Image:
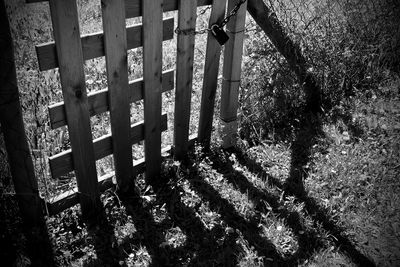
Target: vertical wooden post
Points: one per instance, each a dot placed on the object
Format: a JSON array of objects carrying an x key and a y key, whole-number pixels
[
  {"x": 19, "y": 157},
  {"x": 118, "y": 89},
  {"x": 64, "y": 16},
  {"x": 184, "y": 76},
  {"x": 12, "y": 125},
  {"x": 152, "y": 76},
  {"x": 231, "y": 74},
  {"x": 210, "y": 80}
]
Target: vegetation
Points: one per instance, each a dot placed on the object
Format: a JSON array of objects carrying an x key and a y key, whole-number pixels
[{"x": 299, "y": 189}]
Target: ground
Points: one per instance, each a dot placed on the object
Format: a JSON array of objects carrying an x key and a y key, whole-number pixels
[
  {"x": 326, "y": 194},
  {"x": 327, "y": 198}
]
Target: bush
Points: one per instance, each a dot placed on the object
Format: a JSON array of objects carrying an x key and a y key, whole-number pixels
[{"x": 351, "y": 47}]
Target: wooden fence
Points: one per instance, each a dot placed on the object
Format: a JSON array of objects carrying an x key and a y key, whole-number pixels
[{"x": 70, "y": 50}]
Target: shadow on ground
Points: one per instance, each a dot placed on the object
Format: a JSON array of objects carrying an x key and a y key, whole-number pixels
[{"x": 216, "y": 246}]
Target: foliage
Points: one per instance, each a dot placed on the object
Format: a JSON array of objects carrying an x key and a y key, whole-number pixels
[
  {"x": 351, "y": 47},
  {"x": 225, "y": 208}
]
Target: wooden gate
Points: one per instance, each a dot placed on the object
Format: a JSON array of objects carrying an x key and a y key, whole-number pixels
[{"x": 70, "y": 50}]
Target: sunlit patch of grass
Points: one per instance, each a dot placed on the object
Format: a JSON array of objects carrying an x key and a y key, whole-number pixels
[
  {"x": 356, "y": 178},
  {"x": 282, "y": 236},
  {"x": 174, "y": 237},
  {"x": 137, "y": 257},
  {"x": 328, "y": 257},
  {"x": 275, "y": 159}
]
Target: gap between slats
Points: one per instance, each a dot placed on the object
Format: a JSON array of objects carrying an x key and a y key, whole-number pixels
[
  {"x": 97, "y": 101},
  {"x": 93, "y": 44},
  {"x": 71, "y": 197},
  {"x": 62, "y": 163},
  {"x": 133, "y": 8}
]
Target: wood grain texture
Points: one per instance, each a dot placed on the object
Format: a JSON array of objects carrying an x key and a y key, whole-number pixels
[
  {"x": 152, "y": 66},
  {"x": 118, "y": 94},
  {"x": 134, "y": 7},
  {"x": 232, "y": 71},
  {"x": 93, "y": 44},
  {"x": 210, "y": 80},
  {"x": 184, "y": 77},
  {"x": 62, "y": 163},
  {"x": 69, "y": 51},
  {"x": 98, "y": 101}
]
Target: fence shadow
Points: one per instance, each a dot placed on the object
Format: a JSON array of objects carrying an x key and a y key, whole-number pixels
[
  {"x": 101, "y": 235},
  {"x": 149, "y": 233},
  {"x": 202, "y": 245},
  {"x": 306, "y": 138},
  {"x": 307, "y": 238}
]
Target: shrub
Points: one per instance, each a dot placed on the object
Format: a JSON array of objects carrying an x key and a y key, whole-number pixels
[{"x": 350, "y": 46}]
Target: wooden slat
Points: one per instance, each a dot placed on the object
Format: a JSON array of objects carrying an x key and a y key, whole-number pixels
[
  {"x": 118, "y": 95},
  {"x": 152, "y": 66},
  {"x": 64, "y": 16},
  {"x": 210, "y": 80},
  {"x": 184, "y": 76},
  {"x": 62, "y": 163},
  {"x": 98, "y": 101},
  {"x": 71, "y": 197},
  {"x": 231, "y": 74},
  {"x": 133, "y": 8},
  {"x": 93, "y": 44}
]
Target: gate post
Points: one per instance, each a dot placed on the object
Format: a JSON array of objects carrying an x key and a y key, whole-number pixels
[
  {"x": 231, "y": 74},
  {"x": 19, "y": 157}
]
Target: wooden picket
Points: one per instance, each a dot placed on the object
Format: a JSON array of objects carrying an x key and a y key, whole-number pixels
[
  {"x": 210, "y": 80},
  {"x": 152, "y": 66},
  {"x": 64, "y": 16},
  {"x": 70, "y": 50},
  {"x": 231, "y": 74},
  {"x": 117, "y": 78},
  {"x": 184, "y": 76}
]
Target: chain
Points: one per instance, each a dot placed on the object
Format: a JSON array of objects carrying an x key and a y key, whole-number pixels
[
  {"x": 202, "y": 12},
  {"x": 233, "y": 13}
]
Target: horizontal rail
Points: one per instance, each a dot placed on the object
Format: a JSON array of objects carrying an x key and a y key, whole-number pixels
[
  {"x": 71, "y": 197},
  {"x": 98, "y": 101},
  {"x": 133, "y": 8},
  {"x": 93, "y": 44},
  {"x": 62, "y": 163}
]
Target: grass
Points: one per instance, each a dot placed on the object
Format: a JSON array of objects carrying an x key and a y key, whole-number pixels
[
  {"x": 326, "y": 194},
  {"x": 327, "y": 198}
]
